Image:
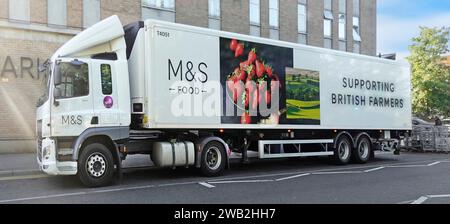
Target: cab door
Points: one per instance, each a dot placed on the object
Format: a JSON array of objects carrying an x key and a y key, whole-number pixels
[
  {"x": 72, "y": 101},
  {"x": 105, "y": 96}
]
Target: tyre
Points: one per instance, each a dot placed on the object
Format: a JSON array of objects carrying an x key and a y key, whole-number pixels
[
  {"x": 343, "y": 151},
  {"x": 213, "y": 159},
  {"x": 95, "y": 165},
  {"x": 363, "y": 151}
]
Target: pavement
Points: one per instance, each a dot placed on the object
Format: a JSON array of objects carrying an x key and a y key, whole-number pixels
[{"x": 411, "y": 178}]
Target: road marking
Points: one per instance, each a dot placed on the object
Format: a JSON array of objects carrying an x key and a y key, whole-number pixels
[
  {"x": 25, "y": 177},
  {"x": 374, "y": 169},
  {"x": 343, "y": 172},
  {"x": 292, "y": 177},
  {"x": 407, "y": 166},
  {"x": 420, "y": 200},
  {"x": 432, "y": 164},
  {"x": 240, "y": 181},
  {"x": 439, "y": 196},
  {"x": 43, "y": 197},
  {"x": 206, "y": 185}
]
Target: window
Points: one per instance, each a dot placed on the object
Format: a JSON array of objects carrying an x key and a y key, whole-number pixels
[
  {"x": 74, "y": 80},
  {"x": 273, "y": 13},
  {"x": 255, "y": 18},
  {"x": 19, "y": 10},
  {"x": 357, "y": 47},
  {"x": 274, "y": 19},
  {"x": 158, "y": 9},
  {"x": 57, "y": 12},
  {"x": 302, "y": 38},
  {"x": 162, "y": 4},
  {"x": 301, "y": 18},
  {"x": 342, "y": 45},
  {"x": 301, "y": 22},
  {"x": 91, "y": 12},
  {"x": 342, "y": 27},
  {"x": 356, "y": 8},
  {"x": 356, "y": 29},
  {"x": 327, "y": 4},
  {"x": 214, "y": 14},
  {"x": 106, "y": 79},
  {"x": 328, "y": 43},
  {"x": 327, "y": 28},
  {"x": 343, "y": 6}
]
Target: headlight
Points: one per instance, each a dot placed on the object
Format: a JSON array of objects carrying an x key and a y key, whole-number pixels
[{"x": 46, "y": 152}]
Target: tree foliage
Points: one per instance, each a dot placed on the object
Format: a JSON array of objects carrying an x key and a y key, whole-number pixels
[{"x": 430, "y": 78}]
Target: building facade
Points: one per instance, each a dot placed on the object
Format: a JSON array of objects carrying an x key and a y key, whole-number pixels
[{"x": 31, "y": 30}]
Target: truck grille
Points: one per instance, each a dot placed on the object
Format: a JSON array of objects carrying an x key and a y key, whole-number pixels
[{"x": 39, "y": 139}]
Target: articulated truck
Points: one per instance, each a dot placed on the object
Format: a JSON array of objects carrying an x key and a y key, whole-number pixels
[{"x": 193, "y": 97}]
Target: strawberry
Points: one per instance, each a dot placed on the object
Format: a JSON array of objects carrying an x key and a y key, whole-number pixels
[
  {"x": 260, "y": 69},
  {"x": 245, "y": 118},
  {"x": 230, "y": 84},
  {"x": 243, "y": 65},
  {"x": 251, "y": 71},
  {"x": 251, "y": 56},
  {"x": 239, "y": 50},
  {"x": 233, "y": 44},
  {"x": 269, "y": 71},
  {"x": 242, "y": 75}
]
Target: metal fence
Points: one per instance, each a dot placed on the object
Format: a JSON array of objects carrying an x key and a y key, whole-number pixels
[{"x": 428, "y": 138}]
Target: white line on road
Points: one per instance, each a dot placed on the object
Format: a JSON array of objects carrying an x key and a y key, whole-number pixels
[
  {"x": 420, "y": 200},
  {"x": 407, "y": 166},
  {"x": 374, "y": 169},
  {"x": 293, "y": 177},
  {"x": 43, "y": 197},
  {"x": 343, "y": 172},
  {"x": 206, "y": 185},
  {"x": 240, "y": 181},
  {"x": 439, "y": 196},
  {"x": 432, "y": 164}
]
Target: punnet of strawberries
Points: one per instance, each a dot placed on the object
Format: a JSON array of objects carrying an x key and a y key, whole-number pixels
[{"x": 252, "y": 82}]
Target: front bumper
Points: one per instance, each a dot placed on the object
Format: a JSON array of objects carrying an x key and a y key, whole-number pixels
[{"x": 46, "y": 158}]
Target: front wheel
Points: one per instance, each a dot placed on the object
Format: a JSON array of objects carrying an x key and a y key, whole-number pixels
[
  {"x": 95, "y": 165},
  {"x": 213, "y": 159}
]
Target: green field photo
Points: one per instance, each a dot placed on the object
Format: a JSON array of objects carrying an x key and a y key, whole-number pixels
[{"x": 303, "y": 96}]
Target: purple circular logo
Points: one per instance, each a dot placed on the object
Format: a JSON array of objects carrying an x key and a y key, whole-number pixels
[{"x": 108, "y": 101}]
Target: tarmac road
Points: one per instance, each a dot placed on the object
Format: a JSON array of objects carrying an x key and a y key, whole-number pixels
[{"x": 389, "y": 179}]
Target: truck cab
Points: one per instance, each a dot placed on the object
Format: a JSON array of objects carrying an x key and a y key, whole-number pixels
[{"x": 87, "y": 96}]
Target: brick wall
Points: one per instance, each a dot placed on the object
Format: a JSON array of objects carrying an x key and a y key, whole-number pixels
[
  {"x": 288, "y": 20},
  {"x": 4, "y": 9},
  {"x": 128, "y": 10},
  {"x": 75, "y": 13},
  {"x": 369, "y": 27},
  {"x": 235, "y": 16},
  {"x": 192, "y": 12},
  {"x": 38, "y": 11}
]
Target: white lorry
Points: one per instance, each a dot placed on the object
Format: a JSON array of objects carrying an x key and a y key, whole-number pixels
[{"x": 190, "y": 96}]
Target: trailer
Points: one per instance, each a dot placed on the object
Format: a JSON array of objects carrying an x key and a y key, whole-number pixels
[{"x": 190, "y": 96}]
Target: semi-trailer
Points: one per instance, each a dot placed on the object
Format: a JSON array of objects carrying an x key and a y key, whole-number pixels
[{"x": 190, "y": 96}]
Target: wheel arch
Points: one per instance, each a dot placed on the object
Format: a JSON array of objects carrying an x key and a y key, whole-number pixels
[
  {"x": 202, "y": 142},
  {"x": 343, "y": 134}
]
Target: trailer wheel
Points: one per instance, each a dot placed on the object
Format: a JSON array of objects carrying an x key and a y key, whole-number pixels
[
  {"x": 95, "y": 165},
  {"x": 363, "y": 151},
  {"x": 213, "y": 159},
  {"x": 343, "y": 151}
]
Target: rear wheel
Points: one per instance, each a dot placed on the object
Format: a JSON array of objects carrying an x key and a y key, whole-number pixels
[
  {"x": 363, "y": 151},
  {"x": 95, "y": 165},
  {"x": 213, "y": 159},
  {"x": 343, "y": 151}
]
